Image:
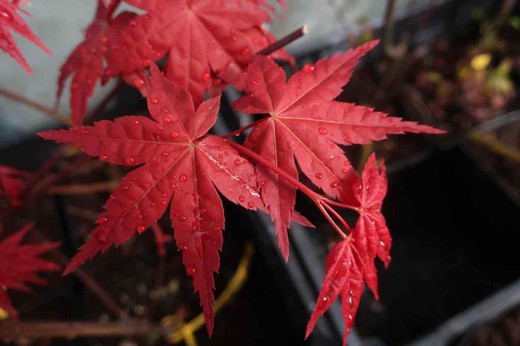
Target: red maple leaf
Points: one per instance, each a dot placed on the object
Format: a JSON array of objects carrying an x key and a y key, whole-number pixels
[
  {"x": 18, "y": 265},
  {"x": 371, "y": 233},
  {"x": 305, "y": 123},
  {"x": 13, "y": 183},
  {"x": 179, "y": 164},
  {"x": 208, "y": 43},
  {"x": 11, "y": 20},
  {"x": 344, "y": 277},
  {"x": 85, "y": 63}
]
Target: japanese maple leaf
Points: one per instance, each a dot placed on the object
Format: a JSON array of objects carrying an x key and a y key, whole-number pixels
[
  {"x": 19, "y": 264},
  {"x": 179, "y": 163},
  {"x": 12, "y": 185},
  {"x": 305, "y": 123},
  {"x": 344, "y": 277},
  {"x": 11, "y": 20},
  {"x": 85, "y": 63},
  {"x": 371, "y": 233},
  {"x": 208, "y": 43}
]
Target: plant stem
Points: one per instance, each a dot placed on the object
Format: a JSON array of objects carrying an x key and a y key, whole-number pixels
[
  {"x": 35, "y": 105},
  {"x": 315, "y": 197},
  {"x": 245, "y": 128},
  {"x": 318, "y": 199},
  {"x": 284, "y": 41}
]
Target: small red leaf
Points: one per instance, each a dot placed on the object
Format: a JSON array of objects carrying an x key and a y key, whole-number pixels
[
  {"x": 344, "y": 277},
  {"x": 18, "y": 265},
  {"x": 10, "y": 20}
]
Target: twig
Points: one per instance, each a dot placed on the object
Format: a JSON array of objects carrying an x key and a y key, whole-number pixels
[
  {"x": 293, "y": 36},
  {"x": 82, "y": 189},
  {"x": 71, "y": 330},
  {"x": 35, "y": 105},
  {"x": 392, "y": 51}
]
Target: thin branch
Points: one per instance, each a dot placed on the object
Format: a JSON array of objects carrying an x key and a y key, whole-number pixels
[
  {"x": 71, "y": 330},
  {"x": 35, "y": 105},
  {"x": 388, "y": 32},
  {"x": 82, "y": 189},
  {"x": 284, "y": 41}
]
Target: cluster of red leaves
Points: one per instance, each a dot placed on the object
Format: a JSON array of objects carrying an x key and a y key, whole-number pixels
[
  {"x": 208, "y": 44},
  {"x": 18, "y": 265},
  {"x": 181, "y": 165},
  {"x": 10, "y": 20}
]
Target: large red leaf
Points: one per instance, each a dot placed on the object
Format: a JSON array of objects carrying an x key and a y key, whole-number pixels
[
  {"x": 11, "y": 20},
  {"x": 305, "y": 123},
  {"x": 344, "y": 277},
  {"x": 18, "y": 265},
  {"x": 208, "y": 43},
  {"x": 180, "y": 165},
  {"x": 85, "y": 63}
]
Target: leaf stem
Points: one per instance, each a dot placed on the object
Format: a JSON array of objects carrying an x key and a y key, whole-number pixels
[
  {"x": 244, "y": 128},
  {"x": 318, "y": 199},
  {"x": 336, "y": 214},
  {"x": 284, "y": 41}
]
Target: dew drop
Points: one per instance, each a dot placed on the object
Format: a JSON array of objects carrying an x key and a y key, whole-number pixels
[
  {"x": 250, "y": 205},
  {"x": 164, "y": 202},
  {"x": 319, "y": 175},
  {"x": 325, "y": 299},
  {"x": 308, "y": 68},
  {"x": 322, "y": 131},
  {"x": 237, "y": 162},
  {"x": 133, "y": 23},
  {"x": 83, "y": 131},
  {"x": 206, "y": 76},
  {"x": 246, "y": 51},
  {"x": 344, "y": 264},
  {"x": 6, "y": 15},
  {"x": 241, "y": 199},
  {"x": 130, "y": 160},
  {"x": 184, "y": 248},
  {"x": 164, "y": 154},
  {"x": 159, "y": 128},
  {"x": 350, "y": 317},
  {"x": 350, "y": 300},
  {"x": 102, "y": 220},
  {"x": 220, "y": 156},
  {"x": 140, "y": 229},
  {"x": 183, "y": 178},
  {"x": 182, "y": 218},
  {"x": 125, "y": 188},
  {"x": 253, "y": 82},
  {"x": 166, "y": 119},
  {"x": 334, "y": 185},
  {"x": 382, "y": 243},
  {"x": 174, "y": 135},
  {"x": 191, "y": 271},
  {"x": 154, "y": 101},
  {"x": 138, "y": 82},
  {"x": 103, "y": 157},
  {"x": 355, "y": 128},
  {"x": 135, "y": 122},
  {"x": 140, "y": 217},
  {"x": 226, "y": 153}
]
